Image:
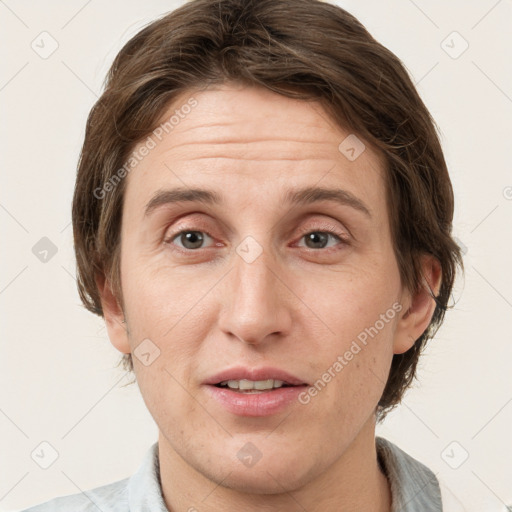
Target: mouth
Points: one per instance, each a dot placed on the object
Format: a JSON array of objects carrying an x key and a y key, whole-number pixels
[
  {"x": 247, "y": 386},
  {"x": 254, "y": 380},
  {"x": 256, "y": 392}
]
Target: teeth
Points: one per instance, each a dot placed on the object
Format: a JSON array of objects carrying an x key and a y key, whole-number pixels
[
  {"x": 246, "y": 385},
  {"x": 267, "y": 384}
]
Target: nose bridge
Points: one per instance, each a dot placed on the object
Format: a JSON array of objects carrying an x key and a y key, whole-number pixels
[
  {"x": 254, "y": 280},
  {"x": 256, "y": 304}
]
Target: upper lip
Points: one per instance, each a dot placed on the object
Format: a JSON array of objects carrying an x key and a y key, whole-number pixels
[{"x": 265, "y": 373}]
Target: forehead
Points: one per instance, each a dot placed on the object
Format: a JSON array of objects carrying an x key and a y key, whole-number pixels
[
  {"x": 255, "y": 139},
  {"x": 251, "y": 115}
]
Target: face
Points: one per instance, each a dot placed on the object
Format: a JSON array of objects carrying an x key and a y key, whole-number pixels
[{"x": 244, "y": 277}]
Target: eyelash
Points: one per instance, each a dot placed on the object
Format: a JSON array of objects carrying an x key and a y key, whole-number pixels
[{"x": 342, "y": 238}]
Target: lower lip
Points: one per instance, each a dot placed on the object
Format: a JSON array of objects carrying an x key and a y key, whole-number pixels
[{"x": 256, "y": 404}]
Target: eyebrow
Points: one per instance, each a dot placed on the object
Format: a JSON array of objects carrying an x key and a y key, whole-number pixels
[{"x": 300, "y": 197}]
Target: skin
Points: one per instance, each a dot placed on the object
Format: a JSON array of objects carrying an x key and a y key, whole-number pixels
[{"x": 298, "y": 306}]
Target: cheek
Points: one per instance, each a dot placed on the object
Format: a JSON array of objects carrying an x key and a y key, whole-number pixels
[
  {"x": 158, "y": 296},
  {"x": 349, "y": 302},
  {"x": 168, "y": 307},
  {"x": 351, "y": 378},
  {"x": 353, "y": 344}
]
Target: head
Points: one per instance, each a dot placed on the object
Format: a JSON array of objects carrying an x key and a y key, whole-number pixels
[{"x": 256, "y": 102}]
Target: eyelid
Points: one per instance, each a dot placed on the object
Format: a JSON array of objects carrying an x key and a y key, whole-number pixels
[{"x": 327, "y": 228}]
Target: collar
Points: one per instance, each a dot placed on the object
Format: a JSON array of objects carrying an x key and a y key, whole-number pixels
[{"x": 414, "y": 487}]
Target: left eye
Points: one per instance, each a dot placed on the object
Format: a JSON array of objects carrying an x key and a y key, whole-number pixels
[{"x": 319, "y": 239}]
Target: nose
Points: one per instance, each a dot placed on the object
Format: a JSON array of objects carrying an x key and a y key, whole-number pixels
[{"x": 257, "y": 304}]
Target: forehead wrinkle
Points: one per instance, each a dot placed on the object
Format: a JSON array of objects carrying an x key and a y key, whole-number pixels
[
  {"x": 258, "y": 159},
  {"x": 282, "y": 150},
  {"x": 242, "y": 124}
]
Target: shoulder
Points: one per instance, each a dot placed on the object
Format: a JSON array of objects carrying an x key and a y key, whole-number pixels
[
  {"x": 111, "y": 497},
  {"x": 141, "y": 491}
]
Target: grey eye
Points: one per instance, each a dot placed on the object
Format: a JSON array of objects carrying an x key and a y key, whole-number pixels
[{"x": 190, "y": 239}]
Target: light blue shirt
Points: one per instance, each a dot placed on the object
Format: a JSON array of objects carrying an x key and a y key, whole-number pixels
[{"x": 414, "y": 488}]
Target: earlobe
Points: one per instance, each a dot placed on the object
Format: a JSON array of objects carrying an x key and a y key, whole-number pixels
[
  {"x": 113, "y": 315},
  {"x": 419, "y": 307}
]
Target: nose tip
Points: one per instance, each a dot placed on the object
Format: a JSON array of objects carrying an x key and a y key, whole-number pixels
[{"x": 256, "y": 304}]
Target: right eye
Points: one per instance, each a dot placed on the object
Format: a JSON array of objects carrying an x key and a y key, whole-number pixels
[{"x": 190, "y": 239}]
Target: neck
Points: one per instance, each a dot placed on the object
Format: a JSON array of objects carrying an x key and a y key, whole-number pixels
[{"x": 353, "y": 482}]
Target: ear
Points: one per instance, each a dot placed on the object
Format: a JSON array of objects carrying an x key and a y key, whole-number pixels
[
  {"x": 419, "y": 307},
  {"x": 114, "y": 316}
]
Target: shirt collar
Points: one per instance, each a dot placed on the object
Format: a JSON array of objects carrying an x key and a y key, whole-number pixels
[
  {"x": 413, "y": 486},
  {"x": 144, "y": 486}
]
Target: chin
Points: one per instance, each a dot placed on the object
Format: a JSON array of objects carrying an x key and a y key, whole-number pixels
[{"x": 266, "y": 479}]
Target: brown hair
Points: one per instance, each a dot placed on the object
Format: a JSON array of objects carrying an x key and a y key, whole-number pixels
[{"x": 304, "y": 49}]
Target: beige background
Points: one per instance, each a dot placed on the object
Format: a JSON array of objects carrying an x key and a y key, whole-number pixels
[{"x": 59, "y": 383}]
